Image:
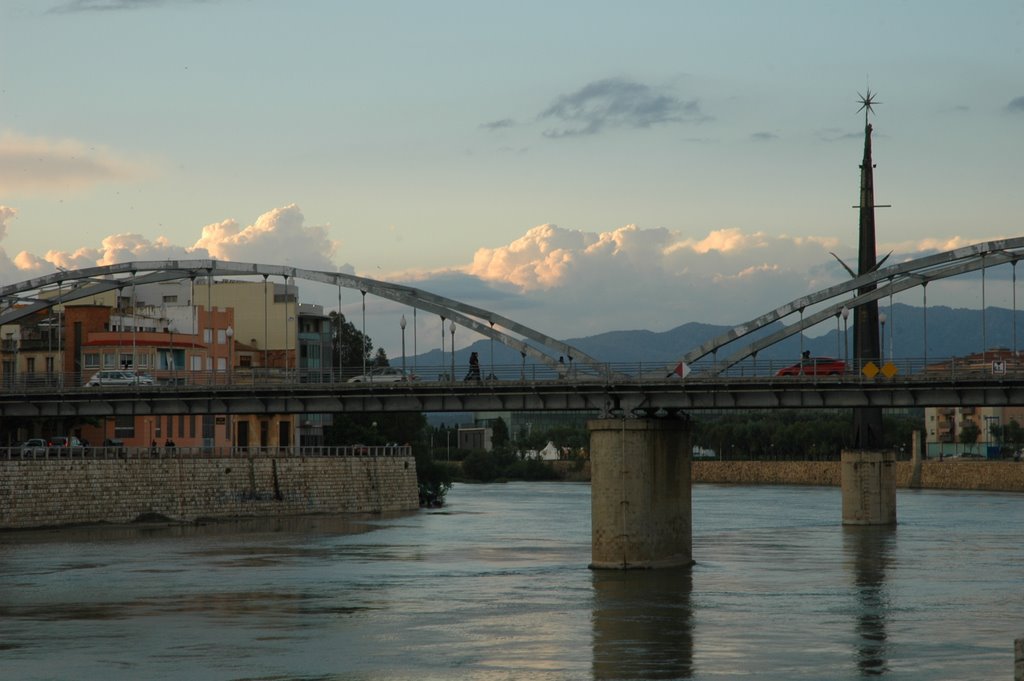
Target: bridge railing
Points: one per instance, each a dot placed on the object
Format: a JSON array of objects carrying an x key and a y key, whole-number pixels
[
  {"x": 990, "y": 365},
  {"x": 26, "y": 452}
]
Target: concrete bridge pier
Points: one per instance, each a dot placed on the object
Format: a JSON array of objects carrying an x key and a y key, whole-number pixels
[
  {"x": 640, "y": 493},
  {"x": 868, "y": 482}
]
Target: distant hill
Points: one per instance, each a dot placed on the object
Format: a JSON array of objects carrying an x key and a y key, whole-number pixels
[{"x": 951, "y": 332}]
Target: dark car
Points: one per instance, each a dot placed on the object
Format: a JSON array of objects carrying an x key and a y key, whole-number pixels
[
  {"x": 64, "y": 446},
  {"x": 815, "y": 366}
]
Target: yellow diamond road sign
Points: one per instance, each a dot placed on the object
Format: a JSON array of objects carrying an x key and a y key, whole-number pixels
[
  {"x": 889, "y": 370},
  {"x": 870, "y": 370}
]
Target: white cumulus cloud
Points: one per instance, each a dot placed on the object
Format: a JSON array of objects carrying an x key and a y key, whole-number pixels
[
  {"x": 575, "y": 282},
  {"x": 279, "y": 236}
]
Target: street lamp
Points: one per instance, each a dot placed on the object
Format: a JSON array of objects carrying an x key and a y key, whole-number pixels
[
  {"x": 845, "y": 312},
  {"x": 451, "y": 328},
  {"x": 230, "y": 334},
  {"x": 364, "y": 332},
  {"x": 837, "y": 332},
  {"x": 171, "y": 362},
  {"x": 401, "y": 323},
  {"x": 881, "y": 345}
]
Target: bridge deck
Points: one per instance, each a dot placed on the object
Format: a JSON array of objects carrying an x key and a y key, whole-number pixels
[{"x": 608, "y": 395}]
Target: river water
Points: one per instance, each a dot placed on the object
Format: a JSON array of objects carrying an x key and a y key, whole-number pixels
[{"x": 495, "y": 586}]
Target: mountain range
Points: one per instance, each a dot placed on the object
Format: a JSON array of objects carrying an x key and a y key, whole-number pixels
[{"x": 951, "y": 332}]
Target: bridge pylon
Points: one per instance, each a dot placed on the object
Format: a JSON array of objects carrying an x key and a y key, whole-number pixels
[
  {"x": 868, "y": 484},
  {"x": 641, "y": 514}
]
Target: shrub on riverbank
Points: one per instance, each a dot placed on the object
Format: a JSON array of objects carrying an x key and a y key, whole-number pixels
[{"x": 504, "y": 465}]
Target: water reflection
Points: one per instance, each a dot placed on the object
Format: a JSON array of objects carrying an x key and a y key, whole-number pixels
[
  {"x": 643, "y": 624},
  {"x": 867, "y": 550}
]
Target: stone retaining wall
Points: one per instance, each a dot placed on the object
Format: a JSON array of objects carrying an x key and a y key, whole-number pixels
[
  {"x": 58, "y": 492},
  {"x": 993, "y": 476}
]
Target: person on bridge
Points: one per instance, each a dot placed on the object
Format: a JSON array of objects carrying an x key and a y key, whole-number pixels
[{"x": 474, "y": 367}]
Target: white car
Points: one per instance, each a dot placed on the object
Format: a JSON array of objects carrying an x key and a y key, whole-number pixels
[
  {"x": 384, "y": 375},
  {"x": 119, "y": 377}
]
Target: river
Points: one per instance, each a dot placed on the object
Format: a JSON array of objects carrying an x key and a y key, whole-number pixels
[{"x": 495, "y": 586}]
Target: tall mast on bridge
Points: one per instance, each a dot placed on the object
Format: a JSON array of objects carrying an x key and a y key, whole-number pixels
[{"x": 867, "y": 421}]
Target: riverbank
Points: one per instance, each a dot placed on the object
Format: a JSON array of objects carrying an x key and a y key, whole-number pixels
[
  {"x": 49, "y": 492},
  {"x": 951, "y": 474}
]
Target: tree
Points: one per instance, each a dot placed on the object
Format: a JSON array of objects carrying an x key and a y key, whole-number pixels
[
  {"x": 499, "y": 432},
  {"x": 969, "y": 433},
  {"x": 381, "y": 358},
  {"x": 1014, "y": 434},
  {"x": 350, "y": 347}
]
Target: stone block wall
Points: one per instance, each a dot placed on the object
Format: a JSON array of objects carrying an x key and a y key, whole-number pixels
[
  {"x": 992, "y": 476},
  {"x": 50, "y": 492}
]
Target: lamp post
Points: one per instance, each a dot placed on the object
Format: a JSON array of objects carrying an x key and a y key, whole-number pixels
[
  {"x": 288, "y": 364},
  {"x": 363, "y": 353},
  {"x": 838, "y": 314},
  {"x": 174, "y": 365},
  {"x": 451, "y": 328},
  {"x": 845, "y": 312},
  {"x": 401, "y": 323},
  {"x": 881, "y": 346},
  {"x": 230, "y": 334}
]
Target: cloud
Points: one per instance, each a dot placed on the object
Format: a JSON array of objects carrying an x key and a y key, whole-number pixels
[
  {"x": 616, "y": 103},
  {"x": 74, "y": 6},
  {"x": 279, "y": 236},
  {"x": 498, "y": 125},
  {"x": 564, "y": 282},
  {"x": 763, "y": 136},
  {"x": 837, "y": 135},
  {"x": 38, "y": 164},
  {"x": 570, "y": 282},
  {"x": 1016, "y": 105},
  {"x": 6, "y": 215}
]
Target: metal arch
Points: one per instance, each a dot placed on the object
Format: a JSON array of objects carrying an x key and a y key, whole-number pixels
[
  {"x": 900, "y": 277},
  {"x": 101, "y": 279}
]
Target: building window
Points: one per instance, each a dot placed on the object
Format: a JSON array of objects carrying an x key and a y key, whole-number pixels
[
  {"x": 207, "y": 336},
  {"x": 124, "y": 426},
  {"x": 92, "y": 360},
  {"x": 49, "y": 365},
  {"x": 170, "y": 299},
  {"x": 126, "y": 361},
  {"x": 222, "y": 336},
  {"x": 109, "y": 360},
  {"x": 245, "y": 361},
  {"x": 167, "y": 361},
  {"x": 30, "y": 365}
]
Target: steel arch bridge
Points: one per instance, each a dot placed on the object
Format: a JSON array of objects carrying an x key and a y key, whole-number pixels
[
  {"x": 26, "y": 298},
  {"x": 830, "y": 302},
  {"x": 597, "y": 385}
]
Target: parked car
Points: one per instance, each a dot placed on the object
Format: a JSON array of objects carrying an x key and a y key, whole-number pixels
[
  {"x": 815, "y": 366},
  {"x": 384, "y": 375},
  {"x": 119, "y": 377},
  {"x": 114, "y": 446},
  {"x": 65, "y": 445},
  {"x": 32, "y": 447}
]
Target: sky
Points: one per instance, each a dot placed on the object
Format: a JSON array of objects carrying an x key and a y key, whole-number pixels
[{"x": 578, "y": 166}]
